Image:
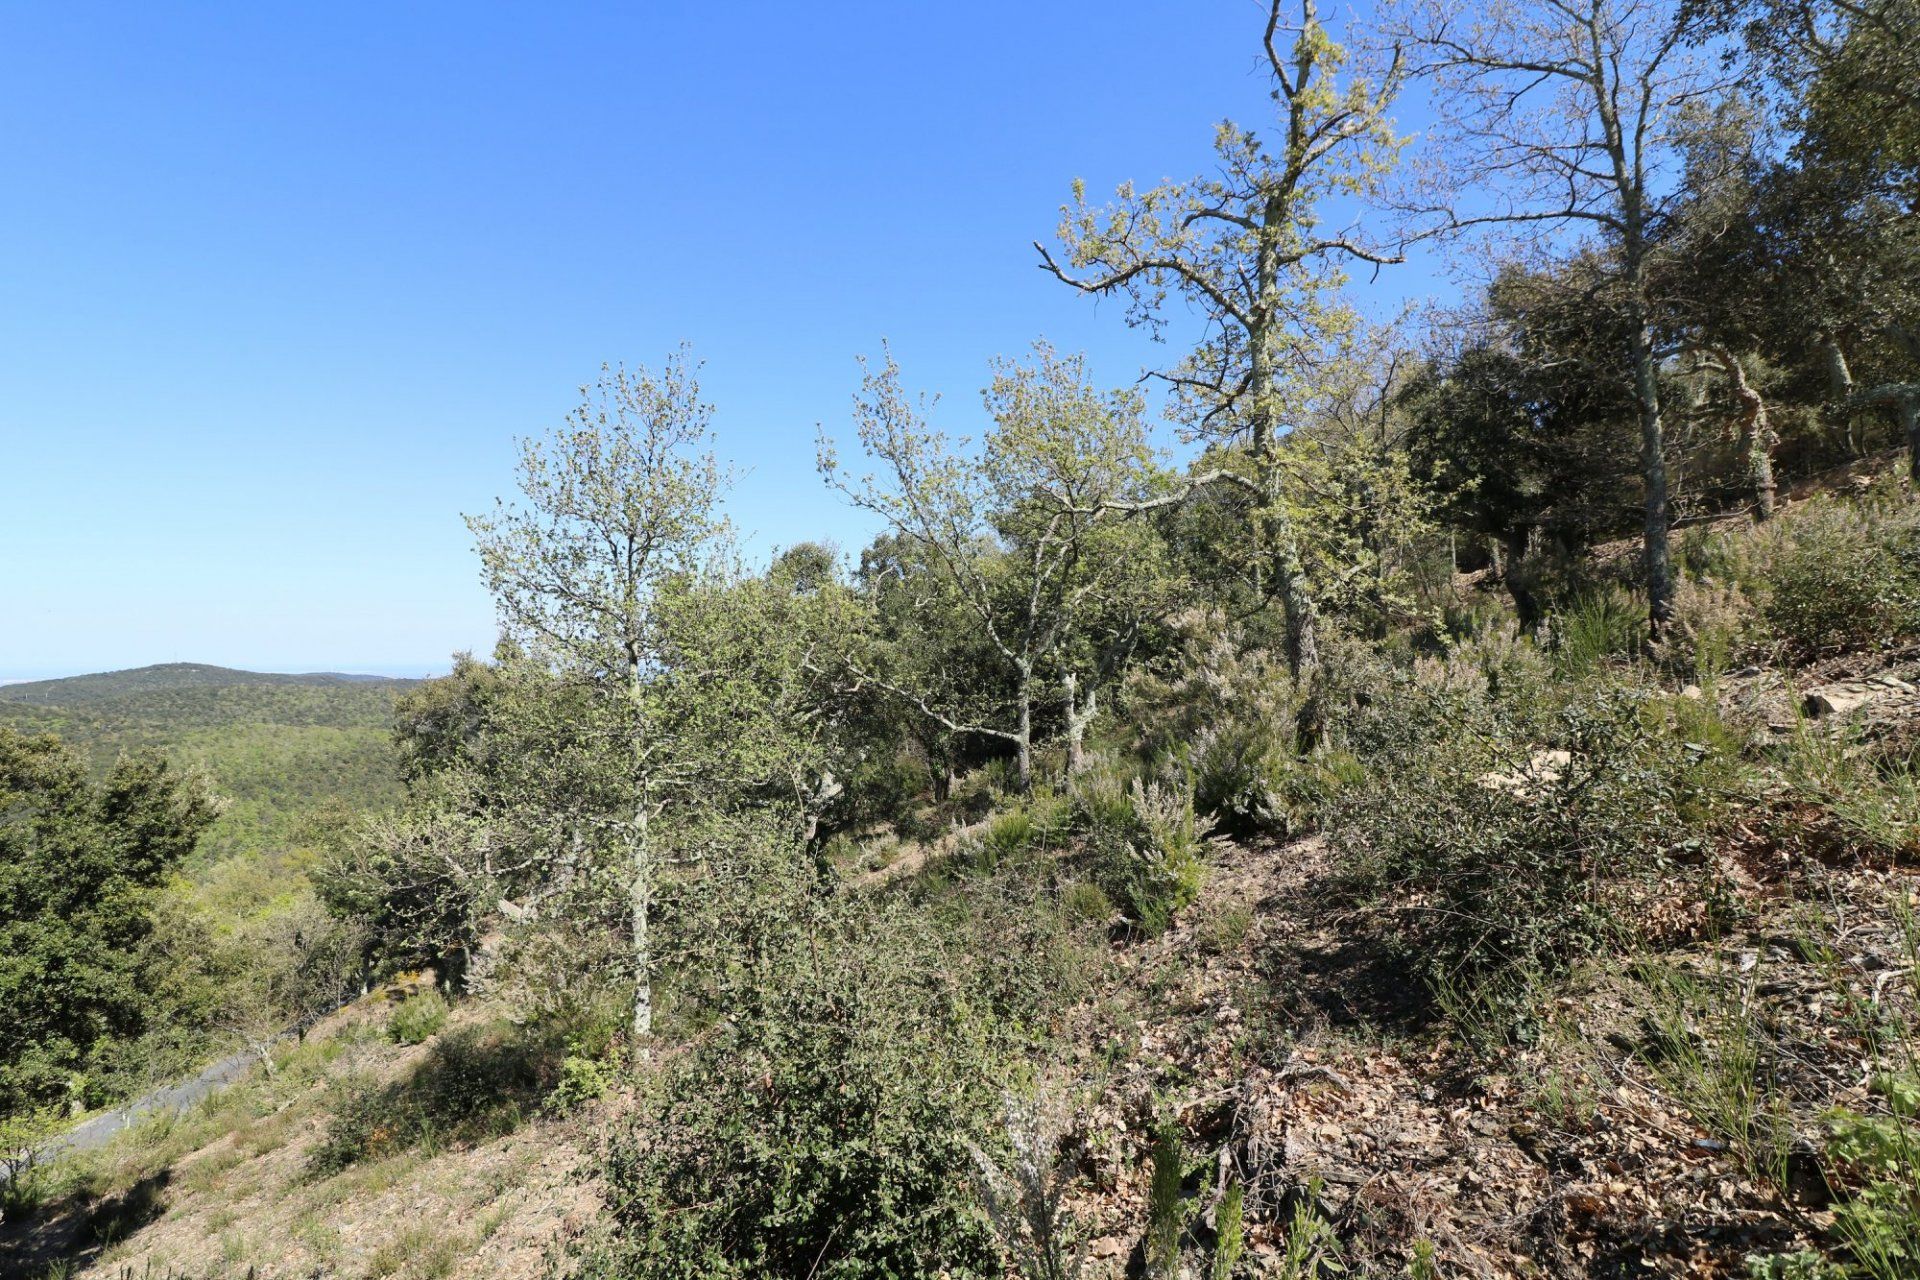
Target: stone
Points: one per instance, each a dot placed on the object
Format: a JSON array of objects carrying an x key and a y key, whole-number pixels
[{"x": 1836, "y": 700}]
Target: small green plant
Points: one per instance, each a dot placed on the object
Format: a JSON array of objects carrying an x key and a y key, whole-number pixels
[
  {"x": 1425, "y": 1262},
  {"x": 1880, "y": 1221},
  {"x": 1229, "y": 1229},
  {"x": 1596, "y": 627},
  {"x": 1166, "y": 1219},
  {"x": 1312, "y": 1247},
  {"x": 1804, "y": 1265},
  {"x": 418, "y": 1019}
]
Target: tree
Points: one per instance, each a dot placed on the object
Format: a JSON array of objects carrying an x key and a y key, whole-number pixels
[
  {"x": 79, "y": 864},
  {"x": 1513, "y": 421},
  {"x": 1027, "y": 540},
  {"x": 1575, "y": 109},
  {"x": 618, "y": 507},
  {"x": 1246, "y": 249},
  {"x": 281, "y": 972}
]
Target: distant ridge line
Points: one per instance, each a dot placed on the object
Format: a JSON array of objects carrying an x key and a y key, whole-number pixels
[{"x": 174, "y": 675}]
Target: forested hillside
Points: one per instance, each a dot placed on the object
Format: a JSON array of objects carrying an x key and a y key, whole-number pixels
[
  {"x": 288, "y": 754},
  {"x": 1422, "y": 798}
]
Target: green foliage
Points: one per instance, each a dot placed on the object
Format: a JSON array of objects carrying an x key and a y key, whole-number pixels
[
  {"x": 1312, "y": 1249},
  {"x": 1166, "y": 1208},
  {"x": 80, "y": 864},
  {"x": 1229, "y": 1229},
  {"x": 1871, "y": 797},
  {"x": 1847, "y": 576},
  {"x": 418, "y": 1018},
  {"x": 1505, "y": 859},
  {"x": 1880, "y": 1220},
  {"x": 1145, "y": 844},
  {"x": 475, "y": 1083},
  {"x": 1708, "y": 1052},
  {"x": 1597, "y": 626},
  {"x": 821, "y": 1125}
]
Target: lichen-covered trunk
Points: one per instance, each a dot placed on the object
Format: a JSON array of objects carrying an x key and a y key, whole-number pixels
[
  {"x": 1756, "y": 433},
  {"x": 1023, "y": 742},
  {"x": 1272, "y": 524},
  {"x": 640, "y": 904},
  {"x": 1656, "y": 552},
  {"x": 1078, "y": 718}
]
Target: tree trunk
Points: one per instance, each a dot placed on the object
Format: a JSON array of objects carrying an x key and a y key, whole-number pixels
[
  {"x": 1756, "y": 432},
  {"x": 1656, "y": 553},
  {"x": 1078, "y": 719},
  {"x": 1839, "y": 375},
  {"x": 1272, "y": 524},
  {"x": 640, "y": 902},
  {"x": 1024, "y": 742},
  {"x": 1526, "y": 605}
]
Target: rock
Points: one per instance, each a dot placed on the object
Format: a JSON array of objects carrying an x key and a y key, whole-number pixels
[
  {"x": 1543, "y": 769},
  {"x": 1692, "y": 691},
  {"x": 1837, "y": 699},
  {"x": 1109, "y": 1247}
]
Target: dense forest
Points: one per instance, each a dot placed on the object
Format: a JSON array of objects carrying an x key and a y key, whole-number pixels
[{"x": 1420, "y": 798}]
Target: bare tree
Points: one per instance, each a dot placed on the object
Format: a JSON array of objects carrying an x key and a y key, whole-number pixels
[
  {"x": 1246, "y": 248},
  {"x": 1565, "y": 117}
]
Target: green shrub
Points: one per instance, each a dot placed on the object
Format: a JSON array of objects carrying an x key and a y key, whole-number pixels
[
  {"x": 823, "y": 1126},
  {"x": 1847, "y": 576},
  {"x": 1595, "y": 627},
  {"x": 476, "y": 1083},
  {"x": 418, "y": 1019},
  {"x": 1008, "y": 835},
  {"x": 1501, "y": 860},
  {"x": 1145, "y": 845}
]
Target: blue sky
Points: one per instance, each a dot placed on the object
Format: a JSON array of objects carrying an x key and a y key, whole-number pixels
[{"x": 280, "y": 284}]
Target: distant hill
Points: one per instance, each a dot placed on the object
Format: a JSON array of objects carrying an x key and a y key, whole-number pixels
[
  {"x": 287, "y": 751},
  {"x": 108, "y": 685}
]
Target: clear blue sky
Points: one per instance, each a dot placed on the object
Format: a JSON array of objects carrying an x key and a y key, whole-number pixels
[{"x": 281, "y": 283}]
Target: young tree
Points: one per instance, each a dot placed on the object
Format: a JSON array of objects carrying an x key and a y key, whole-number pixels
[
  {"x": 1027, "y": 539},
  {"x": 618, "y": 507},
  {"x": 1568, "y": 115},
  {"x": 1246, "y": 248},
  {"x": 79, "y": 862}
]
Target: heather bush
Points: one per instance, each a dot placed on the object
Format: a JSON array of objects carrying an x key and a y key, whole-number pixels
[{"x": 1843, "y": 576}]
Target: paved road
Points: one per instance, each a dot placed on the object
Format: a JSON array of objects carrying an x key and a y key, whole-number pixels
[{"x": 174, "y": 1098}]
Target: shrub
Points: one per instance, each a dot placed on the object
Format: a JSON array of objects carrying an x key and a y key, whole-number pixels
[
  {"x": 1145, "y": 844},
  {"x": 1712, "y": 625},
  {"x": 476, "y": 1083},
  {"x": 822, "y": 1127},
  {"x": 418, "y": 1019},
  {"x": 1845, "y": 576},
  {"x": 1502, "y": 861},
  {"x": 1596, "y": 626}
]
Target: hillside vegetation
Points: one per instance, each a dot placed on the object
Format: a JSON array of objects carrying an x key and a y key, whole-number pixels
[{"x": 1456, "y": 819}]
